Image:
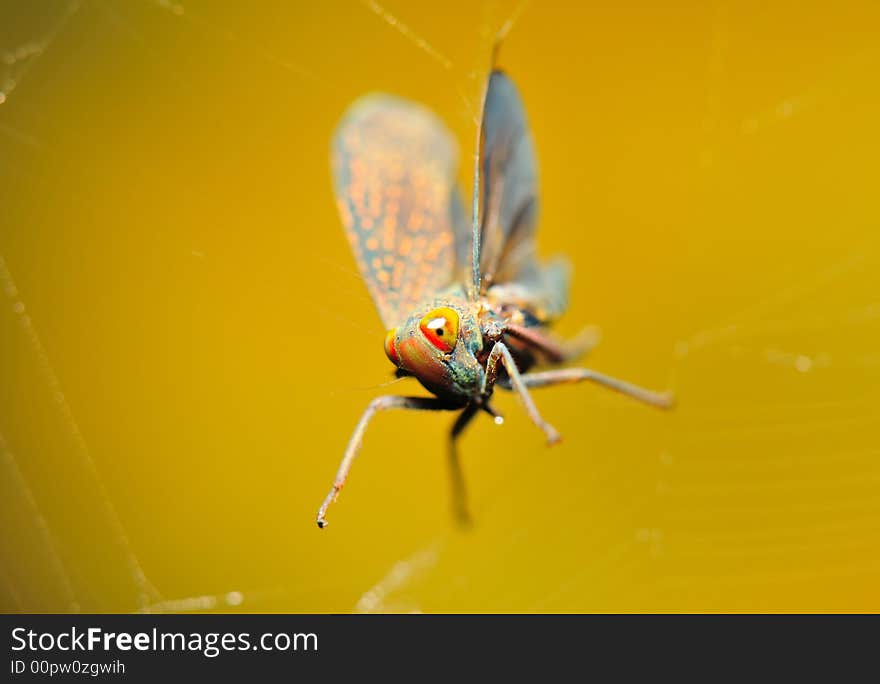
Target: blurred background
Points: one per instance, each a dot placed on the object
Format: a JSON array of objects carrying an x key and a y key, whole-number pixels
[{"x": 185, "y": 343}]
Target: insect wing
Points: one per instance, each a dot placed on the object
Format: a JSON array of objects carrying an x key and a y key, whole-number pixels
[
  {"x": 394, "y": 165},
  {"x": 509, "y": 199}
]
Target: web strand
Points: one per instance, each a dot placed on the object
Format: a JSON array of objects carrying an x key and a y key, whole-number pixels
[
  {"x": 47, "y": 538},
  {"x": 145, "y": 591}
]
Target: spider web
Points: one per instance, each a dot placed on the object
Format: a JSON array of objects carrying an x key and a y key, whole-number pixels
[{"x": 778, "y": 464}]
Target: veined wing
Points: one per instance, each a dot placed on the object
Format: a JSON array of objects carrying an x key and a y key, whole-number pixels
[
  {"x": 394, "y": 165},
  {"x": 508, "y": 195}
]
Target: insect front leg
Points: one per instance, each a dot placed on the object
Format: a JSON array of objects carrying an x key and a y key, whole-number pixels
[
  {"x": 501, "y": 354},
  {"x": 459, "y": 491},
  {"x": 354, "y": 444},
  {"x": 662, "y": 400}
]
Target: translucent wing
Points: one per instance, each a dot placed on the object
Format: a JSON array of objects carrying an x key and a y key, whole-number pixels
[
  {"x": 394, "y": 169},
  {"x": 509, "y": 201}
]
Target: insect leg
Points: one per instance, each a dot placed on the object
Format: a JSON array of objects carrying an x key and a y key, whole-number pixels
[
  {"x": 556, "y": 351},
  {"x": 502, "y": 353},
  {"x": 459, "y": 491},
  {"x": 581, "y": 344},
  {"x": 354, "y": 444},
  {"x": 662, "y": 400}
]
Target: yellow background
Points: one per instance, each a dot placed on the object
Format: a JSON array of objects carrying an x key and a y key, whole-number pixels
[{"x": 185, "y": 338}]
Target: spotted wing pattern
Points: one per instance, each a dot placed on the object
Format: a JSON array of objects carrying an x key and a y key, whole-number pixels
[
  {"x": 509, "y": 200},
  {"x": 394, "y": 166}
]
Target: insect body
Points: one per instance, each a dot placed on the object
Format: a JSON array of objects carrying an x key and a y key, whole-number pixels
[{"x": 467, "y": 305}]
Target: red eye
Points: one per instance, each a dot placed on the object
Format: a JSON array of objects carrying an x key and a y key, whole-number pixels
[
  {"x": 440, "y": 328},
  {"x": 391, "y": 348}
]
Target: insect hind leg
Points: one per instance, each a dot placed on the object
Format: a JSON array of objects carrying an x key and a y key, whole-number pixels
[
  {"x": 581, "y": 344},
  {"x": 556, "y": 351},
  {"x": 661, "y": 400}
]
